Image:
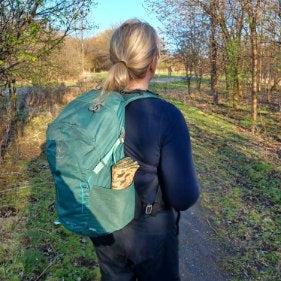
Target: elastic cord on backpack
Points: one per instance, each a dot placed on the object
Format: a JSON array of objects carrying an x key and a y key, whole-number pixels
[
  {"x": 103, "y": 162},
  {"x": 82, "y": 195}
]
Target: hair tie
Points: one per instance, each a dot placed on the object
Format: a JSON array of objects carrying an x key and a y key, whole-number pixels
[{"x": 122, "y": 61}]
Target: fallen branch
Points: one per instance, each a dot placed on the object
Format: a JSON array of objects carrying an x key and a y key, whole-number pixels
[
  {"x": 211, "y": 226},
  {"x": 44, "y": 271}
]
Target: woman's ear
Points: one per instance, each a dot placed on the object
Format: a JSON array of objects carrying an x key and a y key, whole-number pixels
[{"x": 153, "y": 65}]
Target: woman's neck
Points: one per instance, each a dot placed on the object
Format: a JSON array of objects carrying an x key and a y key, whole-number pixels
[{"x": 140, "y": 84}]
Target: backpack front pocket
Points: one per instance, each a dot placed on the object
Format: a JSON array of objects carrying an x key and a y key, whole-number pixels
[{"x": 112, "y": 209}]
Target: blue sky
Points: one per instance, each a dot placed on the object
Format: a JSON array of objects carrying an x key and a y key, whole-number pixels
[{"x": 110, "y": 12}]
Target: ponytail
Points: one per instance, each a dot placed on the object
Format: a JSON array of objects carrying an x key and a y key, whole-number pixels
[{"x": 117, "y": 78}]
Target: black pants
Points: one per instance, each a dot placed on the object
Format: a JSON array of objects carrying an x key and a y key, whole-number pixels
[{"x": 144, "y": 250}]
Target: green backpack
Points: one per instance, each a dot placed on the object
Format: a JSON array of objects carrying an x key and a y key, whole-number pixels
[{"x": 83, "y": 142}]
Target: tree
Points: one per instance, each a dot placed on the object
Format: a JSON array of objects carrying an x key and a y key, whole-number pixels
[
  {"x": 64, "y": 63},
  {"x": 213, "y": 53},
  {"x": 253, "y": 11},
  {"x": 230, "y": 16},
  {"x": 30, "y": 30},
  {"x": 96, "y": 51}
]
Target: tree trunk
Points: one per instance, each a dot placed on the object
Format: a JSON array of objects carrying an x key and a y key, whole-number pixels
[
  {"x": 254, "y": 47},
  {"x": 188, "y": 78},
  {"x": 198, "y": 78},
  {"x": 13, "y": 99},
  {"x": 213, "y": 43},
  {"x": 199, "y": 82},
  {"x": 260, "y": 55},
  {"x": 189, "y": 84},
  {"x": 11, "y": 122},
  {"x": 240, "y": 91},
  {"x": 227, "y": 84},
  {"x": 235, "y": 94}
]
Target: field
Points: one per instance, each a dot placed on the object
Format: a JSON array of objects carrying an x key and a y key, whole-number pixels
[{"x": 240, "y": 176}]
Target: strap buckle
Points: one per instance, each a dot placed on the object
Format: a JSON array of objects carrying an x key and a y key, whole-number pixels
[
  {"x": 96, "y": 107},
  {"x": 148, "y": 209},
  {"x": 122, "y": 135}
]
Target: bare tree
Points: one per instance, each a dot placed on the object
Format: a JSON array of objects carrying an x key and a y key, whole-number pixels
[
  {"x": 186, "y": 28},
  {"x": 213, "y": 53},
  {"x": 96, "y": 51},
  {"x": 253, "y": 10}
]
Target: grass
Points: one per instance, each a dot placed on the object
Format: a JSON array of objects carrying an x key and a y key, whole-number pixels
[{"x": 240, "y": 180}]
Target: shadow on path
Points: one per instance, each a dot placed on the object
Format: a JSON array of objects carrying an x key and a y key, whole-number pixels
[{"x": 200, "y": 255}]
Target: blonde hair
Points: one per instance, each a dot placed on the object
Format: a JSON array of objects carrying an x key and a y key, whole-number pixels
[{"x": 133, "y": 46}]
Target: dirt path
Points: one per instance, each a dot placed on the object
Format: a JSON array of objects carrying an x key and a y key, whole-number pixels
[
  {"x": 199, "y": 252},
  {"x": 167, "y": 79}
]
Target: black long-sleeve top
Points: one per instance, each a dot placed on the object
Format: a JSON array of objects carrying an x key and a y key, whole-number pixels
[{"x": 158, "y": 138}]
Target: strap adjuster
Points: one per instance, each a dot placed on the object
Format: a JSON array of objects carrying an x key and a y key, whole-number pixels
[{"x": 148, "y": 209}]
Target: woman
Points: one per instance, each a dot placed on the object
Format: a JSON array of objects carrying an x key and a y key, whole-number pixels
[{"x": 158, "y": 139}]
